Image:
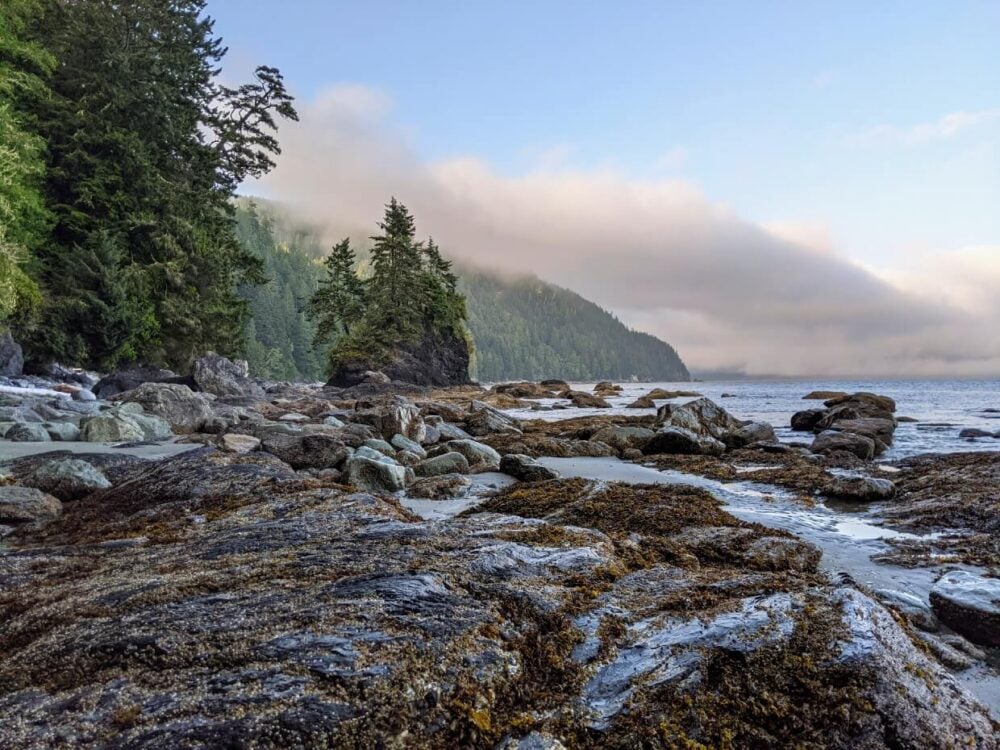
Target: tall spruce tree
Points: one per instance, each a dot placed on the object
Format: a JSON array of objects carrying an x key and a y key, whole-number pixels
[
  {"x": 145, "y": 150},
  {"x": 394, "y": 305},
  {"x": 339, "y": 303}
]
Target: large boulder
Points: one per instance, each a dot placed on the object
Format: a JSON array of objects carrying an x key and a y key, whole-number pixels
[
  {"x": 750, "y": 433},
  {"x": 678, "y": 440},
  {"x": 969, "y": 604},
  {"x": 392, "y": 416},
  {"x": 865, "y": 414},
  {"x": 832, "y": 441},
  {"x": 27, "y": 432},
  {"x": 452, "y": 462},
  {"x": 183, "y": 409},
  {"x": 221, "y": 376},
  {"x": 11, "y": 357},
  {"x": 526, "y": 468},
  {"x": 586, "y": 400},
  {"x": 480, "y": 457},
  {"x": 130, "y": 378},
  {"x": 67, "y": 479},
  {"x": 375, "y": 475},
  {"x": 19, "y": 505},
  {"x": 483, "y": 419},
  {"x": 403, "y": 443},
  {"x": 702, "y": 417},
  {"x": 806, "y": 421},
  {"x": 111, "y": 428},
  {"x": 862, "y": 489}
]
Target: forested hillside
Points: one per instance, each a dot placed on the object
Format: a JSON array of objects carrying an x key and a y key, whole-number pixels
[
  {"x": 279, "y": 335},
  {"x": 522, "y": 327},
  {"x": 526, "y": 328}
]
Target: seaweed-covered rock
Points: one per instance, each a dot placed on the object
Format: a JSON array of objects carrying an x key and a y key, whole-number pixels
[
  {"x": 440, "y": 486},
  {"x": 861, "y": 488},
  {"x": 317, "y": 451},
  {"x": 832, "y": 441},
  {"x": 684, "y": 441}
]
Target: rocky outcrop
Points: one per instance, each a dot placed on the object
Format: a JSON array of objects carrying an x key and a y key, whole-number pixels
[
  {"x": 221, "y": 376},
  {"x": 865, "y": 414},
  {"x": 437, "y": 360},
  {"x": 586, "y": 400},
  {"x": 11, "y": 356}
]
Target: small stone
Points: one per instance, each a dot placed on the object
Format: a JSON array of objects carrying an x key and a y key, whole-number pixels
[{"x": 235, "y": 443}]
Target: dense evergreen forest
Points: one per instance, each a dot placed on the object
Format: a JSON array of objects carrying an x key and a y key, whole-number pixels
[
  {"x": 522, "y": 328},
  {"x": 120, "y": 154},
  {"x": 526, "y": 328}
]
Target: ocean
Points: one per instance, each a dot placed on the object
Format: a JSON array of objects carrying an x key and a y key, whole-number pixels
[{"x": 943, "y": 408}]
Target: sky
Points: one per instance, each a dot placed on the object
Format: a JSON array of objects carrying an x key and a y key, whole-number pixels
[{"x": 781, "y": 188}]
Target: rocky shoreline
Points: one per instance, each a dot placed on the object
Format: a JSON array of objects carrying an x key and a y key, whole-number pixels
[{"x": 274, "y": 585}]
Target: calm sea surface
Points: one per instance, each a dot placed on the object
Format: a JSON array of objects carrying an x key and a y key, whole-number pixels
[{"x": 943, "y": 407}]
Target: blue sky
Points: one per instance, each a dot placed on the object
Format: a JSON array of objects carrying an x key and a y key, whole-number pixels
[
  {"x": 794, "y": 187},
  {"x": 764, "y": 106}
]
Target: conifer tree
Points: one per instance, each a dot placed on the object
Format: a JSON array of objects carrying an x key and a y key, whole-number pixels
[
  {"x": 339, "y": 303},
  {"x": 396, "y": 262}
]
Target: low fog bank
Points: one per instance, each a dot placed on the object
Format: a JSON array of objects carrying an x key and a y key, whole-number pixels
[{"x": 728, "y": 294}]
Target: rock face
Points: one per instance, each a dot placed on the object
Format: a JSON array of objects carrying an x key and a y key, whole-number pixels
[
  {"x": 183, "y": 409},
  {"x": 221, "y": 376},
  {"x": 435, "y": 361},
  {"x": 702, "y": 427},
  {"x": 702, "y": 417},
  {"x": 11, "y": 357},
  {"x": 969, "y": 604}
]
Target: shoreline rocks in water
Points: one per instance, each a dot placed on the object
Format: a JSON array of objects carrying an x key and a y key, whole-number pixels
[{"x": 862, "y": 424}]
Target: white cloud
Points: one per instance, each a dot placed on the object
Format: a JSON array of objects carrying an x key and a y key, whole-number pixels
[
  {"x": 945, "y": 127},
  {"x": 723, "y": 290}
]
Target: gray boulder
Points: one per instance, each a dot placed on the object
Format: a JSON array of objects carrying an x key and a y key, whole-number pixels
[
  {"x": 62, "y": 431},
  {"x": 449, "y": 431},
  {"x": 750, "y": 433},
  {"x": 20, "y": 505},
  {"x": 11, "y": 357},
  {"x": 371, "y": 475},
  {"x": 702, "y": 416},
  {"x": 806, "y": 421},
  {"x": 128, "y": 379},
  {"x": 393, "y": 416},
  {"x": 222, "y": 376},
  {"x": 526, "y": 468},
  {"x": 183, "y": 409},
  {"x": 111, "y": 428},
  {"x": 480, "y": 457},
  {"x": 383, "y": 447},
  {"x": 452, "y": 462},
  {"x": 27, "y": 432},
  {"x": 483, "y": 419},
  {"x": 403, "y": 443},
  {"x": 67, "y": 479}
]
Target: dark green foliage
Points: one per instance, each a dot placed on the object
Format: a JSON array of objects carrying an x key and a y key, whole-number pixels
[
  {"x": 525, "y": 328},
  {"x": 279, "y": 335},
  {"x": 145, "y": 149},
  {"x": 410, "y": 296},
  {"x": 24, "y": 67}
]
